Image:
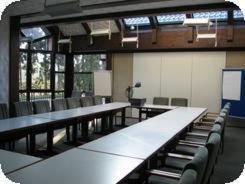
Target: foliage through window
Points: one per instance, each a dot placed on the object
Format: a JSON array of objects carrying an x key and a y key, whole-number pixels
[
  {"x": 22, "y": 71},
  {"x": 60, "y": 72},
  {"x": 84, "y": 65},
  {"x": 44, "y": 44}
]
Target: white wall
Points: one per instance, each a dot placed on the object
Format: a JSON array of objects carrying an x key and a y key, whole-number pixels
[{"x": 192, "y": 75}]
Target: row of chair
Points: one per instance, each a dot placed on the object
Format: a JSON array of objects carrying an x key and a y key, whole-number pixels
[
  {"x": 192, "y": 159},
  {"x": 183, "y": 102},
  {"x": 43, "y": 106}
]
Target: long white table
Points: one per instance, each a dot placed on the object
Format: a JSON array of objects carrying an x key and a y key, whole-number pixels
[
  {"x": 77, "y": 166},
  {"x": 11, "y": 161},
  {"x": 144, "y": 139}
]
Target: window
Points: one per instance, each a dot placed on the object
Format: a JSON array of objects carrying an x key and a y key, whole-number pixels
[
  {"x": 23, "y": 45},
  {"x": 237, "y": 14},
  {"x": 171, "y": 18},
  {"x": 45, "y": 44},
  {"x": 60, "y": 72},
  {"x": 35, "y": 32},
  {"x": 41, "y": 64},
  {"x": 84, "y": 65},
  {"x": 22, "y": 71},
  {"x": 141, "y": 21},
  {"x": 213, "y": 15}
]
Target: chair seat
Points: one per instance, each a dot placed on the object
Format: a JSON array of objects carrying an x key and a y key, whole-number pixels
[
  {"x": 162, "y": 180},
  {"x": 175, "y": 162},
  {"x": 186, "y": 149}
]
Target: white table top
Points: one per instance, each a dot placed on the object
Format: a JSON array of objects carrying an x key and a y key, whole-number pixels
[
  {"x": 82, "y": 111},
  {"x": 77, "y": 166},
  {"x": 145, "y": 138},
  {"x": 19, "y": 123},
  {"x": 11, "y": 161},
  {"x": 163, "y": 107}
]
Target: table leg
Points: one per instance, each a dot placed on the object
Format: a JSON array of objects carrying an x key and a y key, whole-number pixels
[
  {"x": 140, "y": 114},
  {"x": 85, "y": 129},
  {"x": 103, "y": 124},
  {"x": 74, "y": 134},
  {"x": 123, "y": 117},
  {"x": 50, "y": 135},
  {"x": 111, "y": 122},
  {"x": 32, "y": 144}
]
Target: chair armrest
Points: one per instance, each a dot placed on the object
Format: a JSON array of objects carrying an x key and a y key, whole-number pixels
[
  {"x": 211, "y": 120},
  {"x": 202, "y": 128},
  {"x": 191, "y": 143},
  {"x": 174, "y": 155},
  {"x": 163, "y": 173},
  {"x": 196, "y": 134}
]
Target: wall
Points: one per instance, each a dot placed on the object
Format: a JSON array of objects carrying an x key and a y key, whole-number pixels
[
  {"x": 192, "y": 75},
  {"x": 122, "y": 67},
  {"x": 235, "y": 60}
]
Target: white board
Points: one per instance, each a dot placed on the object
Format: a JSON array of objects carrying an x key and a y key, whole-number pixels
[
  {"x": 232, "y": 85},
  {"x": 103, "y": 83}
]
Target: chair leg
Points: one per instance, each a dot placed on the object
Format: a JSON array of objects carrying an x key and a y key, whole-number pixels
[{"x": 27, "y": 145}]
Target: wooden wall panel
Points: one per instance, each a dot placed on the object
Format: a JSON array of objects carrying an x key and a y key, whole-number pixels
[{"x": 235, "y": 60}]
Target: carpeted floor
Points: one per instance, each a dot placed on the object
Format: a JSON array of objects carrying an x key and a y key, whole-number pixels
[{"x": 230, "y": 164}]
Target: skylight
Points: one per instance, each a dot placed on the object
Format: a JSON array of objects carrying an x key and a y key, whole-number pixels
[
  {"x": 171, "y": 18},
  {"x": 213, "y": 15},
  {"x": 237, "y": 14},
  {"x": 35, "y": 32},
  {"x": 141, "y": 21}
]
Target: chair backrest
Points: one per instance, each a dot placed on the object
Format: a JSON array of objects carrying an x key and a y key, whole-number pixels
[
  {"x": 3, "y": 111},
  {"x": 41, "y": 106},
  {"x": 73, "y": 103},
  {"x": 220, "y": 121},
  {"x": 76, "y": 94},
  {"x": 183, "y": 102},
  {"x": 23, "y": 108},
  {"x": 160, "y": 101},
  {"x": 198, "y": 163},
  {"x": 189, "y": 176},
  {"x": 217, "y": 128},
  {"x": 59, "y": 104},
  {"x": 213, "y": 145},
  {"x": 87, "y": 101},
  {"x": 97, "y": 100}
]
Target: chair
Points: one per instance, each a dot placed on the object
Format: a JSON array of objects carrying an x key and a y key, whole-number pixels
[
  {"x": 87, "y": 101},
  {"x": 98, "y": 100},
  {"x": 160, "y": 100},
  {"x": 181, "y": 163},
  {"x": 76, "y": 94},
  {"x": 73, "y": 103},
  {"x": 3, "y": 111},
  {"x": 41, "y": 106},
  {"x": 59, "y": 105},
  {"x": 23, "y": 108},
  {"x": 182, "y": 102}
]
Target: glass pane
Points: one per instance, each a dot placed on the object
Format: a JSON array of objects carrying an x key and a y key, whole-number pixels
[
  {"x": 137, "y": 21},
  {"x": 60, "y": 60},
  {"x": 89, "y": 63},
  {"x": 213, "y": 15},
  {"x": 35, "y": 32},
  {"x": 59, "y": 81},
  {"x": 237, "y": 14},
  {"x": 41, "y": 71},
  {"x": 59, "y": 95},
  {"x": 23, "y": 45},
  {"x": 40, "y": 96},
  {"x": 83, "y": 82},
  {"x": 22, "y": 70},
  {"x": 171, "y": 18},
  {"x": 22, "y": 97},
  {"x": 41, "y": 45}
]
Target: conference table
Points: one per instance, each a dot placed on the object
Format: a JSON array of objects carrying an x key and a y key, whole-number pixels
[
  {"x": 11, "y": 161},
  {"x": 146, "y": 108},
  {"x": 142, "y": 140},
  {"x": 47, "y": 122},
  {"x": 111, "y": 158},
  {"x": 78, "y": 166}
]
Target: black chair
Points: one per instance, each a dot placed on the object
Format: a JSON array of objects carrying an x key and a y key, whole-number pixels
[
  {"x": 87, "y": 101},
  {"x": 182, "y": 102},
  {"x": 73, "y": 103},
  {"x": 41, "y": 106},
  {"x": 157, "y": 101},
  {"x": 23, "y": 108},
  {"x": 3, "y": 111},
  {"x": 59, "y": 105}
]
